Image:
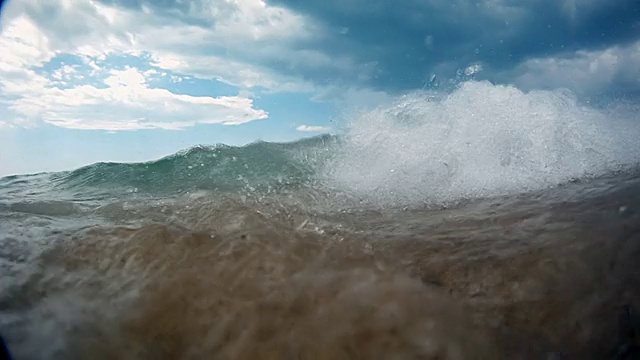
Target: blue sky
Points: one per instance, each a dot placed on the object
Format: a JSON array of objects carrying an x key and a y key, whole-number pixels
[{"x": 133, "y": 80}]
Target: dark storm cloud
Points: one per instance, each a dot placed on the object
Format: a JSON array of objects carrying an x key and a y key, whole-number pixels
[{"x": 409, "y": 40}]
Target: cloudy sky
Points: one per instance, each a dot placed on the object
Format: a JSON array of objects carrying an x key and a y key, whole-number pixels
[{"x": 129, "y": 80}]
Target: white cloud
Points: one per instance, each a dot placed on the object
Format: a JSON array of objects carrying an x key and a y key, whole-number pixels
[
  {"x": 128, "y": 103},
  {"x": 583, "y": 71},
  {"x": 243, "y": 75},
  {"x": 124, "y": 100},
  {"x": 239, "y": 35},
  {"x": 238, "y": 45},
  {"x": 66, "y": 72},
  {"x": 312, "y": 128},
  {"x": 23, "y": 45}
]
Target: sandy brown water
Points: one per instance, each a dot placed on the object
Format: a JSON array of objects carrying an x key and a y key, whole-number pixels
[{"x": 535, "y": 276}]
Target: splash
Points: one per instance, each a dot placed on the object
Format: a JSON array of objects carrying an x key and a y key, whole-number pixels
[{"x": 480, "y": 140}]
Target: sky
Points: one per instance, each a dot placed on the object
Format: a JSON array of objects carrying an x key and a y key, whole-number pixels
[{"x": 83, "y": 81}]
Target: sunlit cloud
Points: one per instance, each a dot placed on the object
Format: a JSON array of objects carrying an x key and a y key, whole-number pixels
[
  {"x": 224, "y": 42},
  {"x": 616, "y": 68},
  {"x": 313, "y": 128},
  {"x": 121, "y": 99},
  {"x": 128, "y": 103}
]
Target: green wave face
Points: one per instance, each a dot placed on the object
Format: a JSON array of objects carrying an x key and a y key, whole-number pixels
[{"x": 260, "y": 166}]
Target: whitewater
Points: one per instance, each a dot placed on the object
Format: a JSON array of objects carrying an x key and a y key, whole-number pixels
[{"x": 481, "y": 223}]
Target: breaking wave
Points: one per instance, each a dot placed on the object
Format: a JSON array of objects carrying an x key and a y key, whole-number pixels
[{"x": 480, "y": 140}]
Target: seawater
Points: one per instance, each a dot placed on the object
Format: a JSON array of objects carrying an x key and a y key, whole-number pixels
[{"x": 481, "y": 223}]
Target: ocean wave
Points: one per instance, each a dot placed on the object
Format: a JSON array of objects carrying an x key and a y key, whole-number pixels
[
  {"x": 479, "y": 140},
  {"x": 260, "y": 166}
]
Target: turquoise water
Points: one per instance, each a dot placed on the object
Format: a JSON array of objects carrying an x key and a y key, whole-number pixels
[{"x": 259, "y": 166}]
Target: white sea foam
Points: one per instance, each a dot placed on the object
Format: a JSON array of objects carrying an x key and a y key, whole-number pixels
[{"x": 480, "y": 140}]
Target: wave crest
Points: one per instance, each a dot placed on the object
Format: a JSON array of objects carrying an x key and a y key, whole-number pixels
[{"x": 480, "y": 140}]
